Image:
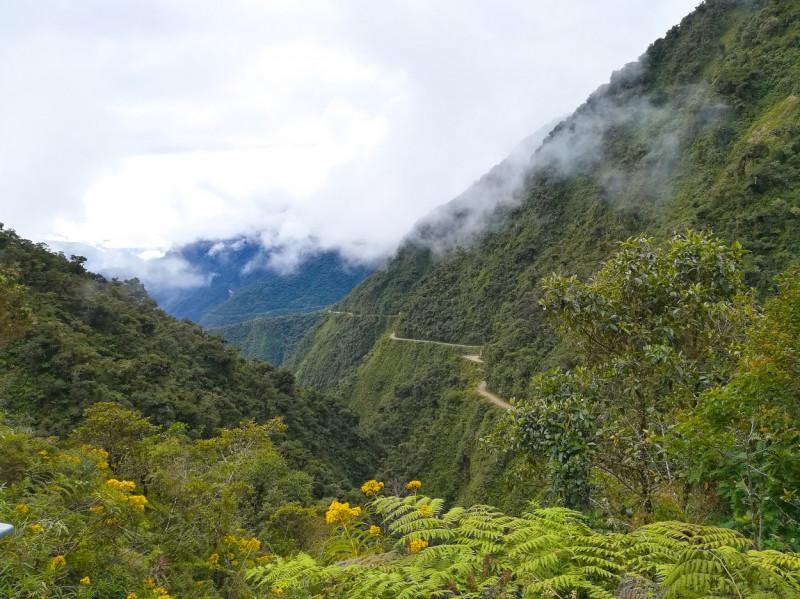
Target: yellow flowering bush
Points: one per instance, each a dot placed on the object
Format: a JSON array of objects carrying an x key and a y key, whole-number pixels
[
  {"x": 69, "y": 458},
  {"x": 122, "y": 485},
  {"x": 374, "y": 530},
  {"x": 341, "y": 513},
  {"x": 413, "y": 485},
  {"x": 426, "y": 510},
  {"x": 417, "y": 545},
  {"x": 371, "y": 488},
  {"x": 80, "y": 522},
  {"x": 138, "y": 501}
]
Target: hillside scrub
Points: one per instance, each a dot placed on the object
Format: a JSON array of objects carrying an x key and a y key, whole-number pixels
[{"x": 125, "y": 508}]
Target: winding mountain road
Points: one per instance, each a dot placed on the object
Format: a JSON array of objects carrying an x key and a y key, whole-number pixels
[
  {"x": 396, "y": 338},
  {"x": 482, "y": 388}
]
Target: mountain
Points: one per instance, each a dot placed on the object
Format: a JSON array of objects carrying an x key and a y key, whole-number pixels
[
  {"x": 244, "y": 285},
  {"x": 702, "y": 132},
  {"x": 567, "y": 341},
  {"x": 90, "y": 340}
]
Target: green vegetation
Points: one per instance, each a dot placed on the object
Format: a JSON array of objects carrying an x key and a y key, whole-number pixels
[
  {"x": 414, "y": 548},
  {"x": 653, "y": 328},
  {"x": 403, "y": 384},
  {"x": 269, "y": 339},
  {"x": 700, "y": 134},
  {"x": 656, "y": 394},
  {"x": 123, "y": 508},
  {"x": 95, "y": 341},
  {"x": 333, "y": 348}
]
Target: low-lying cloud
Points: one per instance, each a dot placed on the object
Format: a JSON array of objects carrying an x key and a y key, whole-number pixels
[{"x": 138, "y": 127}]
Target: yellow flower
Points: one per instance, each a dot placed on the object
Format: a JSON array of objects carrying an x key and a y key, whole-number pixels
[
  {"x": 231, "y": 556},
  {"x": 235, "y": 563},
  {"x": 374, "y": 530},
  {"x": 132, "y": 596},
  {"x": 277, "y": 590},
  {"x": 36, "y": 527},
  {"x": 371, "y": 487},
  {"x": 103, "y": 465},
  {"x": 164, "y": 596},
  {"x": 122, "y": 485},
  {"x": 264, "y": 558},
  {"x": 150, "y": 582},
  {"x": 160, "y": 591},
  {"x": 213, "y": 559},
  {"x": 43, "y": 453},
  {"x": 86, "y": 580},
  {"x": 250, "y": 544},
  {"x": 57, "y": 561},
  {"x": 96, "y": 509},
  {"x": 22, "y": 508},
  {"x": 414, "y": 484},
  {"x": 341, "y": 513},
  {"x": 254, "y": 544},
  {"x": 417, "y": 545},
  {"x": 139, "y": 501},
  {"x": 426, "y": 511}
]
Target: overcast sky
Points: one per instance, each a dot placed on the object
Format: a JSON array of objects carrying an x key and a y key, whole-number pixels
[{"x": 141, "y": 124}]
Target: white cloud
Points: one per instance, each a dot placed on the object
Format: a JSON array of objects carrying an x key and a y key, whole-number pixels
[{"x": 141, "y": 124}]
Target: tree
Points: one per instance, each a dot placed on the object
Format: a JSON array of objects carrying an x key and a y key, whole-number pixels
[
  {"x": 748, "y": 450},
  {"x": 654, "y": 328},
  {"x": 15, "y": 316}
]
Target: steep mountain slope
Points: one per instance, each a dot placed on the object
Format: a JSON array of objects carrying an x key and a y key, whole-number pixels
[
  {"x": 269, "y": 339},
  {"x": 703, "y": 131},
  {"x": 90, "y": 340}
]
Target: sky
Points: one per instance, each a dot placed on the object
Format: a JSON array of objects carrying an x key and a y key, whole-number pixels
[{"x": 131, "y": 127}]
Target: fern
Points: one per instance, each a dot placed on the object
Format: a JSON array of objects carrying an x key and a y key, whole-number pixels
[{"x": 480, "y": 553}]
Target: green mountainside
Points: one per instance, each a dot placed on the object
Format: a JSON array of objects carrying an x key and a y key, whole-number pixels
[
  {"x": 702, "y": 132},
  {"x": 269, "y": 339},
  {"x": 100, "y": 341}
]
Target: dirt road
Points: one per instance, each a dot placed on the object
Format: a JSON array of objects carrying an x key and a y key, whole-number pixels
[{"x": 482, "y": 388}]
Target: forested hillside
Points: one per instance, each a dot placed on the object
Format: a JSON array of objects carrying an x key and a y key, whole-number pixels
[
  {"x": 271, "y": 339},
  {"x": 92, "y": 340}
]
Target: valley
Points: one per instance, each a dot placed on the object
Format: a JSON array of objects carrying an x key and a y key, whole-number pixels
[{"x": 575, "y": 380}]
